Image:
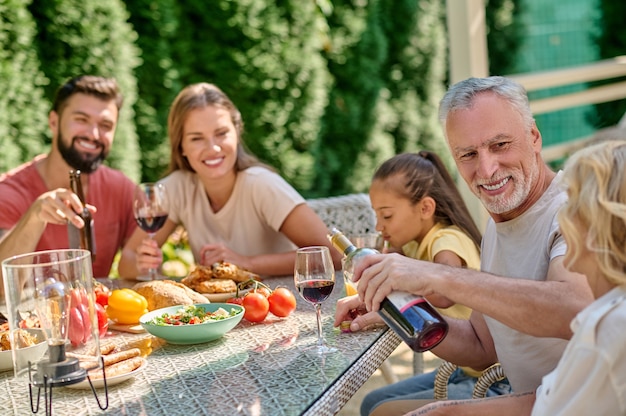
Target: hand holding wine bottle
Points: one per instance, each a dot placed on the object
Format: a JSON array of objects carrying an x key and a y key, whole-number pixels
[{"x": 412, "y": 317}]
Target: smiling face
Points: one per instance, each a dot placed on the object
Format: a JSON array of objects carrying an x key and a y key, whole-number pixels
[
  {"x": 84, "y": 130},
  {"x": 209, "y": 142},
  {"x": 496, "y": 154},
  {"x": 397, "y": 218}
]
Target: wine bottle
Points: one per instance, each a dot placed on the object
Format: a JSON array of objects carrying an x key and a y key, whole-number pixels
[
  {"x": 412, "y": 317},
  {"x": 351, "y": 256},
  {"x": 83, "y": 238}
]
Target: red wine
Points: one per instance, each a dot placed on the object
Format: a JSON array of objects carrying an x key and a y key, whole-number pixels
[
  {"x": 418, "y": 323},
  {"x": 151, "y": 224},
  {"x": 415, "y": 320},
  {"x": 315, "y": 291}
]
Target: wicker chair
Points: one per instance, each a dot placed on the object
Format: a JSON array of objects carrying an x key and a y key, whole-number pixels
[
  {"x": 487, "y": 378},
  {"x": 351, "y": 213}
]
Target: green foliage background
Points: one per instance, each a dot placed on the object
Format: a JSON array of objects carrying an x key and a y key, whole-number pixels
[
  {"x": 327, "y": 89},
  {"x": 610, "y": 37}
]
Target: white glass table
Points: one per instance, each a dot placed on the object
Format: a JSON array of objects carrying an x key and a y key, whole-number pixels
[{"x": 255, "y": 369}]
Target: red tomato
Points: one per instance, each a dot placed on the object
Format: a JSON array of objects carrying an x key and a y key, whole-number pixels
[
  {"x": 102, "y": 296},
  {"x": 256, "y": 307},
  {"x": 282, "y": 302},
  {"x": 103, "y": 320}
]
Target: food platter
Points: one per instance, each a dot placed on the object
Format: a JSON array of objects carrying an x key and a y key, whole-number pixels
[
  {"x": 219, "y": 282},
  {"x": 111, "y": 381},
  {"x": 32, "y": 353}
]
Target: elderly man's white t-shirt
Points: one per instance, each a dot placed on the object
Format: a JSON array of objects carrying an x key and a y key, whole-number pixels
[
  {"x": 523, "y": 248},
  {"x": 250, "y": 220}
]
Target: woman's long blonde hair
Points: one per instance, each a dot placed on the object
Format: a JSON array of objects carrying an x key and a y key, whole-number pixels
[{"x": 595, "y": 214}]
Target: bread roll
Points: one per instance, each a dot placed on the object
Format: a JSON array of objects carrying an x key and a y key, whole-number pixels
[
  {"x": 164, "y": 293},
  {"x": 118, "y": 368}
]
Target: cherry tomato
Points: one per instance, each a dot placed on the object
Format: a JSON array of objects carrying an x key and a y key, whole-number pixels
[
  {"x": 282, "y": 302},
  {"x": 102, "y": 294},
  {"x": 256, "y": 307},
  {"x": 103, "y": 320}
]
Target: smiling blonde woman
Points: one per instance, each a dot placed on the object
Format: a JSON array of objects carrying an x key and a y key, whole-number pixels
[{"x": 235, "y": 209}]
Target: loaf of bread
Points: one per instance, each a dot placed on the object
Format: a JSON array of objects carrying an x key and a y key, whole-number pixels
[{"x": 164, "y": 293}]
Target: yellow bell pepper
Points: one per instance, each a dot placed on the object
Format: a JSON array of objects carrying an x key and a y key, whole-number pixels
[{"x": 126, "y": 306}]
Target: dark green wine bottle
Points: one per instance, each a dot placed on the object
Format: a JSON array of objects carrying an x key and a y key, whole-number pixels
[{"x": 83, "y": 238}]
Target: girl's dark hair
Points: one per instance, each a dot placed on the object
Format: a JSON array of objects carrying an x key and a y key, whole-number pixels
[{"x": 425, "y": 175}]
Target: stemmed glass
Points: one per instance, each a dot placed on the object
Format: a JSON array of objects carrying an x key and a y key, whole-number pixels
[
  {"x": 150, "y": 211},
  {"x": 314, "y": 277}
]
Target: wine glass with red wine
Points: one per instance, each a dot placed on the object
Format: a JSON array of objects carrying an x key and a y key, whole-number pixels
[
  {"x": 314, "y": 276},
  {"x": 150, "y": 211}
]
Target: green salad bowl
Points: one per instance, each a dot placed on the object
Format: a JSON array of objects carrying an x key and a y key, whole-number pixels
[{"x": 198, "y": 333}]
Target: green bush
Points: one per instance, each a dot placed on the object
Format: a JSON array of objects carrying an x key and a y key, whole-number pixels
[
  {"x": 92, "y": 37},
  {"x": 23, "y": 109}
]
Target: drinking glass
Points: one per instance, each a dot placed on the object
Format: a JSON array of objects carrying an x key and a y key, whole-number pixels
[
  {"x": 51, "y": 294},
  {"x": 367, "y": 240},
  {"x": 314, "y": 277},
  {"x": 150, "y": 211}
]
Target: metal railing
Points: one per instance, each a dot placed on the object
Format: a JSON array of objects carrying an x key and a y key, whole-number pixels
[{"x": 607, "y": 69}]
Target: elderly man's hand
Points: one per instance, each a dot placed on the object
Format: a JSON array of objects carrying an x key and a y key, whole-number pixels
[{"x": 380, "y": 274}]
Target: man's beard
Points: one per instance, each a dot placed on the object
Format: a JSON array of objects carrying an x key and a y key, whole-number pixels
[
  {"x": 521, "y": 190},
  {"x": 77, "y": 160}
]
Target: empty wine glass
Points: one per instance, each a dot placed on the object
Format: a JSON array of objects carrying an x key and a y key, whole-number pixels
[
  {"x": 150, "y": 211},
  {"x": 314, "y": 277}
]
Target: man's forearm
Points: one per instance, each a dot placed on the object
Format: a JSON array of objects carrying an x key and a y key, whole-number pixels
[
  {"x": 521, "y": 304},
  {"x": 22, "y": 238}
]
